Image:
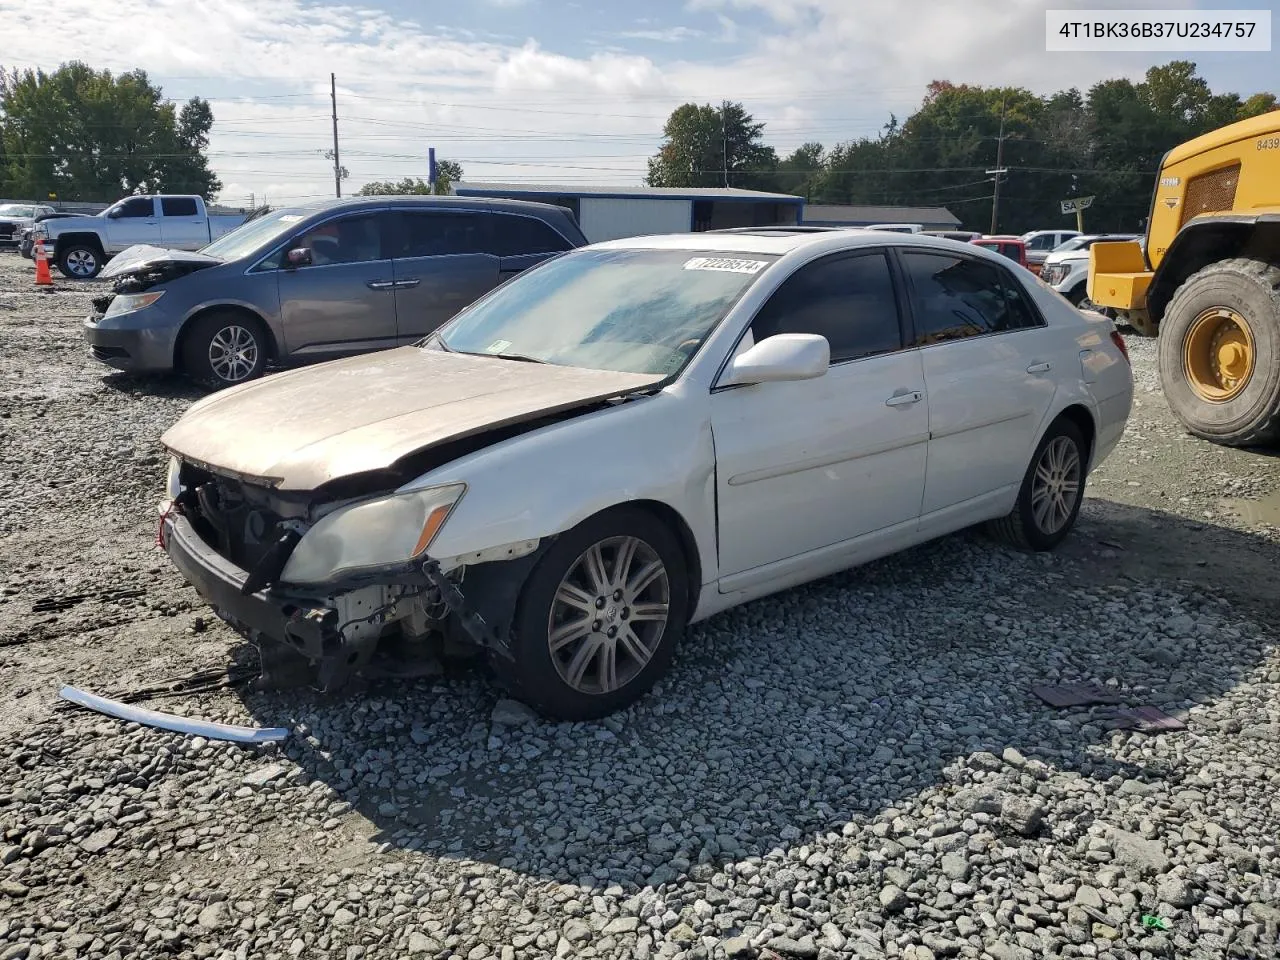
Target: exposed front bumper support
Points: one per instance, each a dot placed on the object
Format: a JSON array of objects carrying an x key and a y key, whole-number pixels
[
  {"x": 310, "y": 624},
  {"x": 479, "y": 631}
]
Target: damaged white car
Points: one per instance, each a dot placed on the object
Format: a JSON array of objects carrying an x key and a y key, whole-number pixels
[{"x": 634, "y": 436}]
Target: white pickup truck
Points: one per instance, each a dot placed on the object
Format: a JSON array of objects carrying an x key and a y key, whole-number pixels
[{"x": 80, "y": 246}]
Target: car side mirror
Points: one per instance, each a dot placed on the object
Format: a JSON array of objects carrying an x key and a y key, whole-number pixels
[
  {"x": 114, "y": 214},
  {"x": 298, "y": 257},
  {"x": 784, "y": 356}
]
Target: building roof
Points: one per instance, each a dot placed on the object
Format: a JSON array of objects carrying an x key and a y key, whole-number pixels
[
  {"x": 848, "y": 213},
  {"x": 472, "y": 188}
]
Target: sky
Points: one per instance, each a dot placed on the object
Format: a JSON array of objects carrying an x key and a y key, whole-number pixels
[{"x": 558, "y": 91}]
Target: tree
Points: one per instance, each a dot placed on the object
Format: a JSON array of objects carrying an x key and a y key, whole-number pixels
[
  {"x": 801, "y": 172},
  {"x": 87, "y": 134},
  {"x": 448, "y": 172},
  {"x": 705, "y": 146},
  {"x": 1257, "y": 105}
]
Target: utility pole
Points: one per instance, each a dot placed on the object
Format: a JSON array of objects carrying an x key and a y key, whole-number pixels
[
  {"x": 337, "y": 167},
  {"x": 999, "y": 172},
  {"x": 724, "y": 138}
]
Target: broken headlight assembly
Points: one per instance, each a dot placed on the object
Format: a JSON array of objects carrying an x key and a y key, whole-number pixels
[
  {"x": 129, "y": 302},
  {"x": 173, "y": 482},
  {"x": 375, "y": 534}
]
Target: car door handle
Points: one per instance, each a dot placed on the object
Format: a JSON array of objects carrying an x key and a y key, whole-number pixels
[
  {"x": 902, "y": 399},
  {"x": 409, "y": 282},
  {"x": 380, "y": 284},
  {"x": 1040, "y": 367}
]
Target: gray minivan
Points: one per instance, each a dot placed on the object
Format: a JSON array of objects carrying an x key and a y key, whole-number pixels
[{"x": 316, "y": 282}]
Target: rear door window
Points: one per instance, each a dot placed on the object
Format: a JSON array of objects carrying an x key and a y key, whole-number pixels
[
  {"x": 422, "y": 233},
  {"x": 954, "y": 297},
  {"x": 179, "y": 207}
]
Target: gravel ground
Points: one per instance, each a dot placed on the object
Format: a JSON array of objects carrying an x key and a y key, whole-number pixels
[{"x": 856, "y": 768}]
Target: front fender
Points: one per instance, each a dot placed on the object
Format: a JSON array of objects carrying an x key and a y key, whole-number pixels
[{"x": 542, "y": 483}]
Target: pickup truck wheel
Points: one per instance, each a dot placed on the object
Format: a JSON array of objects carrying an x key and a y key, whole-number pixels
[
  {"x": 599, "y": 617},
  {"x": 223, "y": 349},
  {"x": 1220, "y": 353},
  {"x": 80, "y": 262}
]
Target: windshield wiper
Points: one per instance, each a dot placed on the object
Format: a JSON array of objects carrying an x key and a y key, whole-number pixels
[{"x": 523, "y": 358}]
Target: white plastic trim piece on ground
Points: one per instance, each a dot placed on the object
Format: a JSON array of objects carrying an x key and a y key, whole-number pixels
[{"x": 167, "y": 721}]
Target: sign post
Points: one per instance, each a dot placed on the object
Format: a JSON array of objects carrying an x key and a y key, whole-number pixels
[{"x": 1078, "y": 205}]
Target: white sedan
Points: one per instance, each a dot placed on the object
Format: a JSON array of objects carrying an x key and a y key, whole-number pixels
[{"x": 635, "y": 436}]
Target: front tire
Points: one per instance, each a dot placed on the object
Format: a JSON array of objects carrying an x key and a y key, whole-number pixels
[
  {"x": 223, "y": 349},
  {"x": 80, "y": 261},
  {"x": 1220, "y": 353},
  {"x": 1051, "y": 493},
  {"x": 599, "y": 618}
]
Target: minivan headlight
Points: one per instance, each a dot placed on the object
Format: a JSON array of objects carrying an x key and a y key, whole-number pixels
[
  {"x": 367, "y": 536},
  {"x": 129, "y": 302}
]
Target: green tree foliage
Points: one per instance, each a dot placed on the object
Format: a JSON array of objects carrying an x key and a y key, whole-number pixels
[
  {"x": 706, "y": 146},
  {"x": 86, "y": 134},
  {"x": 448, "y": 172},
  {"x": 801, "y": 173},
  {"x": 1106, "y": 142}
]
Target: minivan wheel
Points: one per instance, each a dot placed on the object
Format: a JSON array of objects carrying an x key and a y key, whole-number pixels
[
  {"x": 1051, "y": 493},
  {"x": 223, "y": 349},
  {"x": 599, "y": 617},
  {"x": 80, "y": 262}
]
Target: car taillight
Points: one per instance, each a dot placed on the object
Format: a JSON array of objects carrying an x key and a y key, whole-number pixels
[{"x": 1121, "y": 345}]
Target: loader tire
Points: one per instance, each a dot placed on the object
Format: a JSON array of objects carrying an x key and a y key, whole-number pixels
[{"x": 1220, "y": 353}]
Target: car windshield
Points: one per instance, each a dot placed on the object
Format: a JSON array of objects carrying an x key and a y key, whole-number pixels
[
  {"x": 633, "y": 311},
  {"x": 248, "y": 237},
  {"x": 1075, "y": 243},
  {"x": 16, "y": 210}
]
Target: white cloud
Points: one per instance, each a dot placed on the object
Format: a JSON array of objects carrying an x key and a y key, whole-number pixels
[
  {"x": 669, "y": 35},
  {"x": 513, "y": 108}
]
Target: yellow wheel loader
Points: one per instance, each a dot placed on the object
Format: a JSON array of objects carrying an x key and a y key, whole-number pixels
[{"x": 1208, "y": 282}]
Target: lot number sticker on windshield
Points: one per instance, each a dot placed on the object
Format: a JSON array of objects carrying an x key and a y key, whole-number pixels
[
  {"x": 291, "y": 218},
  {"x": 497, "y": 346},
  {"x": 725, "y": 264}
]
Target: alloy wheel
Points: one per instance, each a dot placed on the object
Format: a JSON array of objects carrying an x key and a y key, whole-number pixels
[
  {"x": 608, "y": 615},
  {"x": 1056, "y": 486},
  {"x": 82, "y": 263},
  {"x": 233, "y": 353}
]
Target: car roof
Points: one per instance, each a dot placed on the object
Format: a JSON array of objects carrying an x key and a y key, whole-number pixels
[
  {"x": 426, "y": 199},
  {"x": 779, "y": 244}
]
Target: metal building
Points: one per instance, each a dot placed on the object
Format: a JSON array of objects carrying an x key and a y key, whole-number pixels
[
  {"x": 609, "y": 213},
  {"x": 847, "y": 215}
]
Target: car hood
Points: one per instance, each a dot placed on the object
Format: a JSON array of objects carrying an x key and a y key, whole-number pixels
[
  {"x": 301, "y": 429},
  {"x": 1067, "y": 257},
  {"x": 143, "y": 257}
]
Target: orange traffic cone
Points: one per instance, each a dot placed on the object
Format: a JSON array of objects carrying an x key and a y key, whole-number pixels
[{"x": 43, "y": 277}]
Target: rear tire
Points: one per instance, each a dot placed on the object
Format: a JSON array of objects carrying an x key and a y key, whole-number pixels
[
  {"x": 224, "y": 348},
  {"x": 1242, "y": 297},
  {"x": 1051, "y": 493},
  {"x": 575, "y": 641}
]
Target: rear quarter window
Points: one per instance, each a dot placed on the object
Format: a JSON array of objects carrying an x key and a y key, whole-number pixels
[{"x": 515, "y": 235}]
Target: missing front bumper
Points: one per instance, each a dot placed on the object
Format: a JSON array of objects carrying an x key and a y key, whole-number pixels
[{"x": 340, "y": 632}]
